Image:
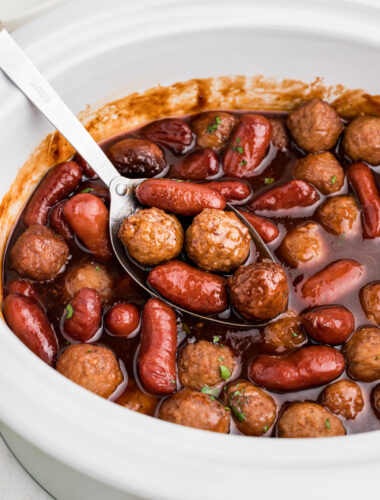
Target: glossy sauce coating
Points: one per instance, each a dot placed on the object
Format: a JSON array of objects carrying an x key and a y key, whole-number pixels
[{"x": 276, "y": 169}]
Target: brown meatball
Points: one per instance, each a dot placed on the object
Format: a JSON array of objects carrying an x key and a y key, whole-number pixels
[
  {"x": 259, "y": 291},
  {"x": 315, "y": 126},
  {"x": 338, "y": 214},
  {"x": 308, "y": 420},
  {"x": 343, "y": 398},
  {"x": 89, "y": 275},
  {"x": 362, "y": 139},
  {"x": 322, "y": 170},
  {"x": 217, "y": 241},
  {"x": 253, "y": 410},
  {"x": 39, "y": 253},
  {"x": 93, "y": 367},
  {"x": 137, "y": 158},
  {"x": 151, "y": 236},
  {"x": 362, "y": 353},
  {"x": 279, "y": 135},
  {"x": 195, "y": 409},
  {"x": 370, "y": 301},
  {"x": 302, "y": 244},
  {"x": 375, "y": 400},
  {"x": 136, "y": 400},
  {"x": 283, "y": 335},
  {"x": 213, "y": 129},
  {"x": 204, "y": 364}
]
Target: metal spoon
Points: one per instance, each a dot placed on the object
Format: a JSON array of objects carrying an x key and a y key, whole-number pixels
[{"x": 22, "y": 72}]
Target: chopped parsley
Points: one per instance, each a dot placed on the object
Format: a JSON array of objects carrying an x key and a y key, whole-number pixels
[
  {"x": 227, "y": 408},
  {"x": 328, "y": 426},
  {"x": 172, "y": 381},
  {"x": 294, "y": 334},
  {"x": 221, "y": 359},
  {"x": 243, "y": 163},
  {"x": 185, "y": 328},
  {"x": 238, "y": 414},
  {"x": 269, "y": 180},
  {"x": 209, "y": 390},
  {"x": 236, "y": 393},
  {"x": 87, "y": 190},
  {"x": 238, "y": 140},
  {"x": 69, "y": 311},
  {"x": 265, "y": 428},
  {"x": 212, "y": 398},
  {"x": 214, "y": 126},
  {"x": 224, "y": 372},
  {"x": 215, "y": 339},
  {"x": 333, "y": 179},
  {"x": 90, "y": 351},
  {"x": 97, "y": 268},
  {"x": 237, "y": 149}
]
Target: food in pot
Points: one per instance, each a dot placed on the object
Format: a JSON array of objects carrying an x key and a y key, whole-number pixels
[{"x": 312, "y": 371}]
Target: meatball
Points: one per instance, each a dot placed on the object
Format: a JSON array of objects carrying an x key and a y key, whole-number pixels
[
  {"x": 322, "y": 170},
  {"x": 315, "y": 126},
  {"x": 370, "y": 301},
  {"x": 89, "y": 275},
  {"x": 259, "y": 291},
  {"x": 39, "y": 253},
  {"x": 362, "y": 353},
  {"x": 343, "y": 398},
  {"x": 253, "y": 410},
  {"x": 213, "y": 129},
  {"x": 217, "y": 241},
  {"x": 204, "y": 364},
  {"x": 136, "y": 400},
  {"x": 308, "y": 420},
  {"x": 375, "y": 400},
  {"x": 361, "y": 139},
  {"x": 152, "y": 236},
  {"x": 195, "y": 409},
  {"x": 302, "y": 244},
  {"x": 93, "y": 367},
  {"x": 279, "y": 136},
  {"x": 338, "y": 214},
  {"x": 283, "y": 335},
  {"x": 137, "y": 158}
]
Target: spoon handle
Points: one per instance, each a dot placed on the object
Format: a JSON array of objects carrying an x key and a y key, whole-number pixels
[{"x": 18, "y": 67}]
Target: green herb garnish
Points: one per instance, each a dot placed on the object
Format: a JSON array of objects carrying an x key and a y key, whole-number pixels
[
  {"x": 185, "y": 328},
  {"x": 294, "y": 334},
  {"x": 215, "y": 339},
  {"x": 210, "y": 390},
  {"x": 172, "y": 381},
  {"x": 214, "y": 126},
  {"x": 333, "y": 179},
  {"x": 328, "y": 426},
  {"x": 87, "y": 190},
  {"x": 220, "y": 360},
  {"x": 97, "y": 268},
  {"x": 224, "y": 372},
  {"x": 265, "y": 428},
  {"x": 212, "y": 398},
  {"x": 238, "y": 414},
  {"x": 269, "y": 180},
  {"x": 243, "y": 163},
  {"x": 69, "y": 311}
]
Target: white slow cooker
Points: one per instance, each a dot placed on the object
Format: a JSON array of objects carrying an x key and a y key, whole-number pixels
[{"x": 74, "y": 443}]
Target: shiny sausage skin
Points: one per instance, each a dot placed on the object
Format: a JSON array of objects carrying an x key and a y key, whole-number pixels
[
  {"x": 157, "y": 354},
  {"x": 85, "y": 315},
  {"x": 29, "y": 323},
  {"x": 329, "y": 325},
  {"x": 189, "y": 287},
  {"x": 22, "y": 287},
  {"x": 364, "y": 184},
  {"x": 198, "y": 166},
  {"x": 308, "y": 367},
  {"x": 329, "y": 284},
  {"x": 266, "y": 229},
  {"x": 60, "y": 181},
  {"x": 59, "y": 223},
  {"x": 287, "y": 196},
  {"x": 88, "y": 217},
  {"x": 247, "y": 146},
  {"x": 232, "y": 191},
  {"x": 182, "y": 198}
]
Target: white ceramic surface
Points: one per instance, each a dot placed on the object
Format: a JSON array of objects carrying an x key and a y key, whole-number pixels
[
  {"x": 92, "y": 52},
  {"x": 15, "y": 13}
]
